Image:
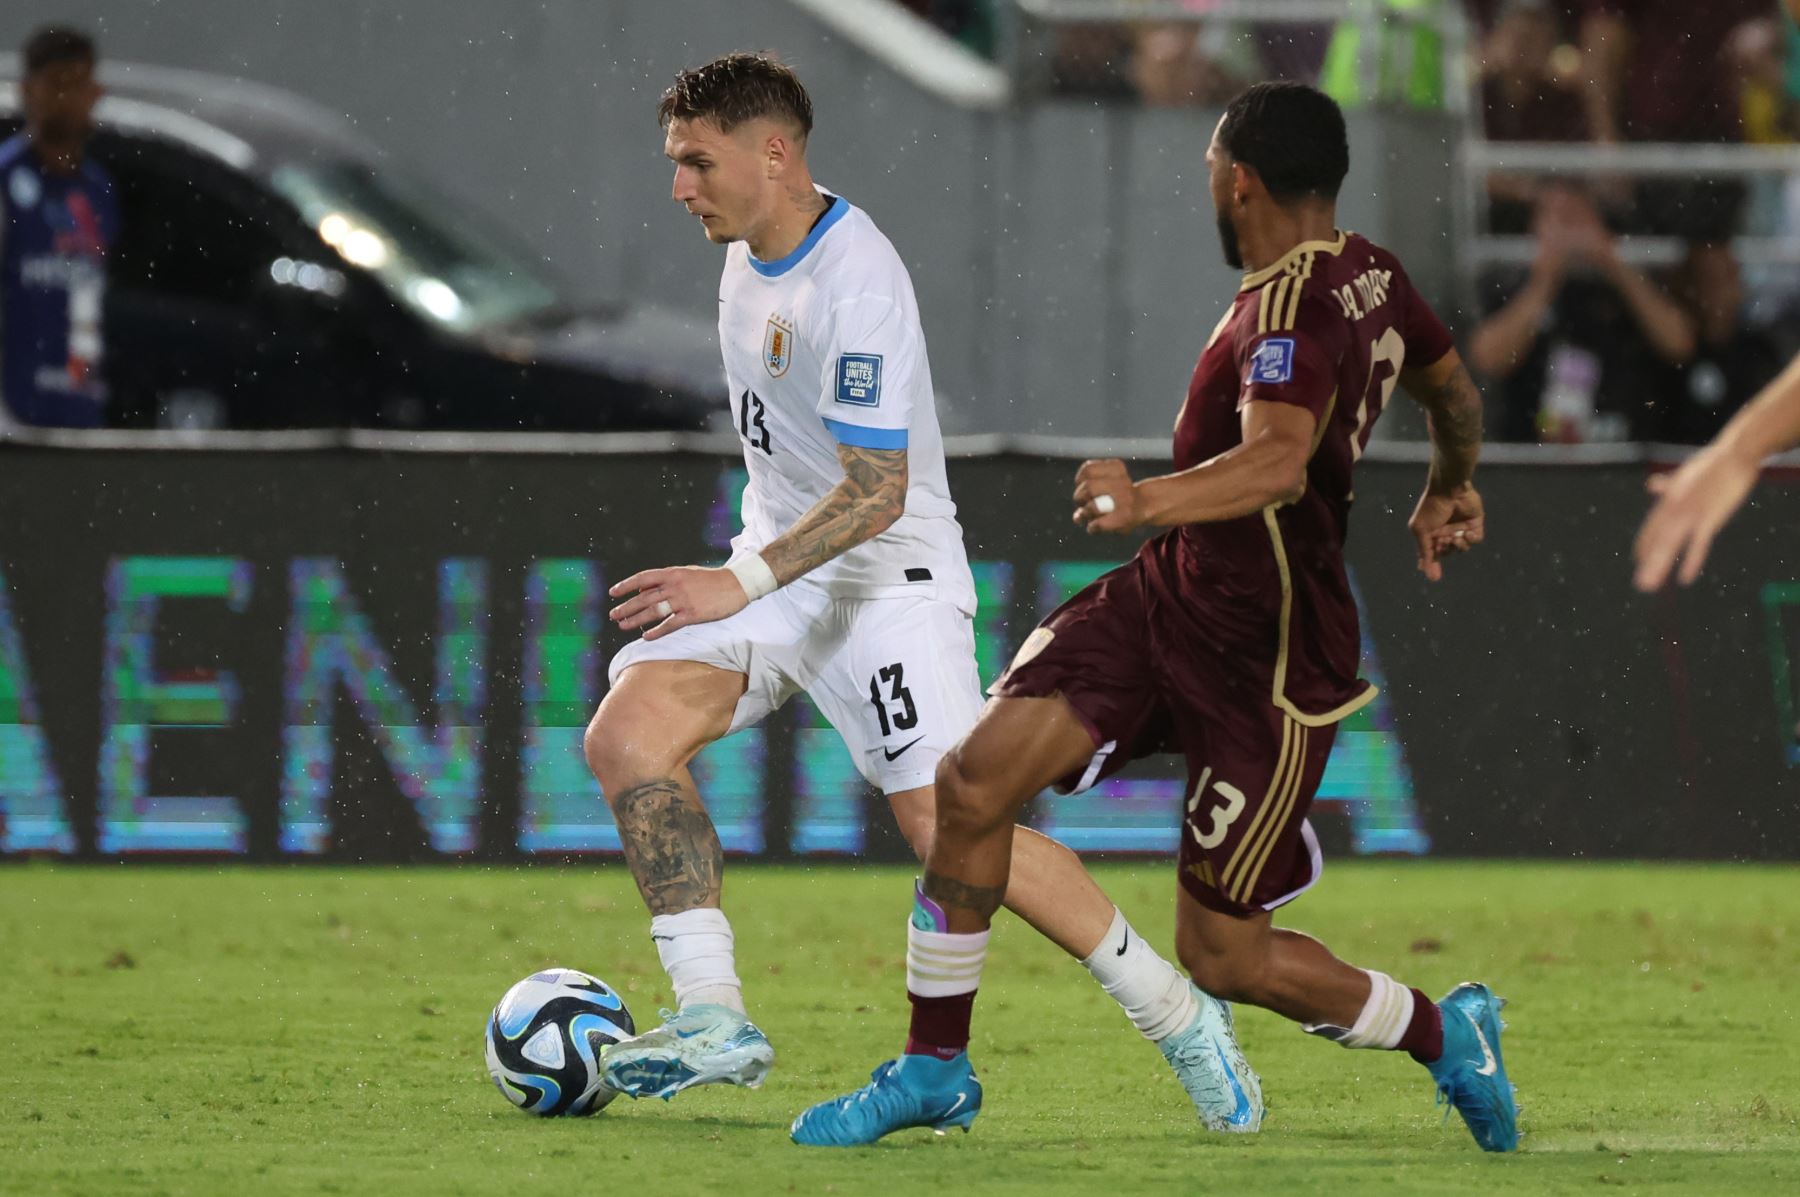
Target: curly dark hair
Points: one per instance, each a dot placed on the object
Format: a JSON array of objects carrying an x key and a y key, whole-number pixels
[
  {"x": 736, "y": 88},
  {"x": 1292, "y": 135}
]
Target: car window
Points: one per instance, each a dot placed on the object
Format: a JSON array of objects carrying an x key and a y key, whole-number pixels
[
  {"x": 190, "y": 228},
  {"x": 437, "y": 260}
]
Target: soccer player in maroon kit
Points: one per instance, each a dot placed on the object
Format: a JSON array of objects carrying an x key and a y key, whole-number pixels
[{"x": 1232, "y": 639}]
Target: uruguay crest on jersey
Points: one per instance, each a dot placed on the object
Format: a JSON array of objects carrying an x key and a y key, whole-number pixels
[{"x": 778, "y": 346}]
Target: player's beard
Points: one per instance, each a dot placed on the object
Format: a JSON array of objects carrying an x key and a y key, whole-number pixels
[{"x": 1228, "y": 242}]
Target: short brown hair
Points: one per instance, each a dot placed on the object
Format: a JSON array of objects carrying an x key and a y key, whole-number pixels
[{"x": 736, "y": 88}]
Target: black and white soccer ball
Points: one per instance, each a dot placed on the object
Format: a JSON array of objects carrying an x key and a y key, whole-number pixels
[{"x": 544, "y": 1041}]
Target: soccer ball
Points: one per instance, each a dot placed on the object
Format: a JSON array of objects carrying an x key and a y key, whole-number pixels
[{"x": 544, "y": 1041}]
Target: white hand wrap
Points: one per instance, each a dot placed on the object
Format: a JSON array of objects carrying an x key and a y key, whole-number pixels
[{"x": 754, "y": 574}]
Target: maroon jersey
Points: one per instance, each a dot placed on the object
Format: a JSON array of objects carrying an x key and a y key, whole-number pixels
[{"x": 1327, "y": 328}]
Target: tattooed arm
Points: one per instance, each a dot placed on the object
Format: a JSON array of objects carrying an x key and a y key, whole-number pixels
[
  {"x": 1453, "y": 413},
  {"x": 861, "y": 507},
  {"x": 1449, "y": 517}
]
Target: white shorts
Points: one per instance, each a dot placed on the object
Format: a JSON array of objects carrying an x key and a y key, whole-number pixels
[{"x": 895, "y": 676}]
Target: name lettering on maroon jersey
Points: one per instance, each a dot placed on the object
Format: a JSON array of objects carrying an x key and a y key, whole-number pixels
[{"x": 1364, "y": 293}]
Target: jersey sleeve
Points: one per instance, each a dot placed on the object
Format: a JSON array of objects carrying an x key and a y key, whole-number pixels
[
  {"x": 870, "y": 378},
  {"x": 1426, "y": 338},
  {"x": 1296, "y": 365}
]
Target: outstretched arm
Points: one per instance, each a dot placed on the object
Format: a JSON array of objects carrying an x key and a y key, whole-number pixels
[
  {"x": 1695, "y": 501},
  {"x": 1267, "y": 466},
  {"x": 1449, "y": 517},
  {"x": 861, "y": 507}
]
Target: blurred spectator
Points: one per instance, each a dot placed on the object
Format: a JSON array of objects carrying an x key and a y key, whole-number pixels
[
  {"x": 1576, "y": 349},
  {"x": 1524, "y": 99},
  {"x": 1656, "y": 70},
  {"x": 1092, "y": 60},
  {"x": 1731, "y": 362},
  {"x": 1206, "y": 62},
  {"x": 57, "y": 220},
  {"x": 1185, "y": 62},
  {"x": 1768, "y": 110},
  {"x": 1387, "y": 51}
]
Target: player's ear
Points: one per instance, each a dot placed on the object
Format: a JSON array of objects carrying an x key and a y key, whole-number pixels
[
  {"x": 1244, "y": 183},
  {"x": 777, "y": 151}
]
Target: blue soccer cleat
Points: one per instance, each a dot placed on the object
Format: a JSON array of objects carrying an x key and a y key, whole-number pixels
[
  {"x": 1470, "y": 1075},
  {"x": 1212, "y": 1068},
  {"x": 910, "y": 1091},
  {"x": 699, "y": 1045}
]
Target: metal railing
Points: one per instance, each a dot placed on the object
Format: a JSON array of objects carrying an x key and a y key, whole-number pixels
[{"x": 1480, "y": 159}]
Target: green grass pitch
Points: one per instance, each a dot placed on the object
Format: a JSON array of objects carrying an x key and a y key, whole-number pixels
[{"x": 305, "y": 1030}]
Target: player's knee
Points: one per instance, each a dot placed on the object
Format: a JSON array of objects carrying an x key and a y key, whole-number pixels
[
  {"x": 623, "y": 749},
  {"x": 966, "y": 805}
]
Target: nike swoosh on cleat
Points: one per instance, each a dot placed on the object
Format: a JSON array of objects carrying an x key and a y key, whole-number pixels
[
  {"x": 1243, "y": 1111},
  {"x": 960, "y": 1098},
  {"x": 1489, "y": 1064},
  {"x": 894, "y": 754}
]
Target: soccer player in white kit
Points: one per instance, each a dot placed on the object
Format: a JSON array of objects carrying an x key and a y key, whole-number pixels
[{"x": 849, "y": 581}]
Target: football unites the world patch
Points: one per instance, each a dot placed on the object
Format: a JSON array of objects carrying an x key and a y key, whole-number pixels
[
  {"x": 1272, "y": 361},
  {"x": 778, "y": 346},
  {"x": 859, "y": 379}
]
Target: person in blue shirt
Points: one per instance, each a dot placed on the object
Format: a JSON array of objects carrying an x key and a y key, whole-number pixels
[{"x": 58, "y": 217}]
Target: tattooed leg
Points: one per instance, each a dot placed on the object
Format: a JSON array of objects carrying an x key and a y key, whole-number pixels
[
  {"x": 670, "y": 844},
  {"x": 951, "y": 894}
]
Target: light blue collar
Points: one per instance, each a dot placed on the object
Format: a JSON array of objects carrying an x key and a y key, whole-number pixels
[{"x": 779, "y": 267}]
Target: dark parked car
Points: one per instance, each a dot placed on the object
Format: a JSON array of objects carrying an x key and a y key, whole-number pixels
[{"x": 274, "y": 272}]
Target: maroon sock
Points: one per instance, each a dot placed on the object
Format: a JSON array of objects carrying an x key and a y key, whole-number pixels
[
  {"x": 1424, "y": 1037},
  {"x": 940, "y": 1025}
]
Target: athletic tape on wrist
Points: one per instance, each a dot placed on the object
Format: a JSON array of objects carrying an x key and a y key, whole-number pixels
[{"x": 754, "y": 574}]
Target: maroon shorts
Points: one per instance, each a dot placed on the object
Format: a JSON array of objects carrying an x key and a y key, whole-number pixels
[{"x": 1252, "y": 768}]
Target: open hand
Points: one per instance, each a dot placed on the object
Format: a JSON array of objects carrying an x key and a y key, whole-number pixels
[
  {"x": 676, "y": 597},
  {"x": 1692, "y": 504}
]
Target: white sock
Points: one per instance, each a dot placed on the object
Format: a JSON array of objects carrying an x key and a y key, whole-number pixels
[
  {"x": 696, "y": 951},
  {"x": 1156, "y": 997},
  {"x": 1384, "y": 1018},
  {"x": 942, "y": 963}
]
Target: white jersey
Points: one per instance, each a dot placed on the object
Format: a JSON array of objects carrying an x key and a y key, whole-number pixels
[{"x": 822, "y": 348}]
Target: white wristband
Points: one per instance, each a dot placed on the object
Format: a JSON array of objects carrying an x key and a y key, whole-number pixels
[{"x": 754, "y": 575}]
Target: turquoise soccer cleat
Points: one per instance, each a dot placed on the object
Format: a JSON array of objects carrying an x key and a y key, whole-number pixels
[
  {"x": 1212, "y": 1068},
  {"x": 699, "y": 1045},
  {"x": 1470, "y": 1075},
  {"x": 910, "y": 1091}
]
